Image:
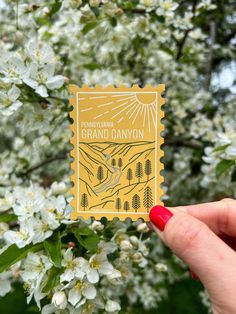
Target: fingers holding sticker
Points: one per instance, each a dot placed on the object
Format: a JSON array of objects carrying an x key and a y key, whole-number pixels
[{"x": 204, "y": 236}]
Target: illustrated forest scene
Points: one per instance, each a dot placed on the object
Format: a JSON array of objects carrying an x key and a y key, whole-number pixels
[{"x": 118, "y": 176}]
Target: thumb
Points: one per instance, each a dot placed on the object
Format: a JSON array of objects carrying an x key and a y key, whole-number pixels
[{"x": 190, "y": 239}]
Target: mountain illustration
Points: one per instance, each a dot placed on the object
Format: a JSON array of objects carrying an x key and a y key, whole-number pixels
[{"x": 109, "y": 171}]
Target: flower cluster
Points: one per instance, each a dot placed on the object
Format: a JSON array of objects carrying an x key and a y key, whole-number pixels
[
  {"x": 38, "y": 215},
  {"x": 34, "y": 67}
]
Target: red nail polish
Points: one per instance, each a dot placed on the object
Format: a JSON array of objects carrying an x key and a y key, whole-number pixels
[
  {"x": 159, "y": 215},
  {"x": 193, "y": 275}
]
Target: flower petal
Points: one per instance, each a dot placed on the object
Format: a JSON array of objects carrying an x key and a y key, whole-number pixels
[
  {"x": 106, "y": 268},
  {"x": 92, "y": 275},
  {"x": 89, "y": 292},
  {"x": 42, "y": 91},
  {"x": 74, "y": 296},
  {"x": 5, "y": 287},
  {"x": 14, "y": 93},
  {"x": 55, "y": 82},
  {"x": 112, "y": 306}
]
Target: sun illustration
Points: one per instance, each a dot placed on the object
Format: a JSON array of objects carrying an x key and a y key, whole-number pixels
[
  {"x": 139, "y": 107},
  {"x": 146, "y": 98}
]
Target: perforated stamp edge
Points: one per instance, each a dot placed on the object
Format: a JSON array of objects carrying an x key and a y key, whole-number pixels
[{"x": 74, "y": 89}]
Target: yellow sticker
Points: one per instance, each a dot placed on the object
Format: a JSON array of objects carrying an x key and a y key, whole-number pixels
[{"x": 116, "y": 151}]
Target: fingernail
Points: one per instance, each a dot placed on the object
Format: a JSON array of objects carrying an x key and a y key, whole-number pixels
[
  {"x": 193, "y": 275},
  {"x": 159, "y": 215}
]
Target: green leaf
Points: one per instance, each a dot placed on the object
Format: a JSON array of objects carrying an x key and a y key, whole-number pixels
[
  {"x": 8, "y": 217},
  {"x": 88, "y": 27},
  {"x": 24, "y": 162},
  {"x": 113, "y": 21},
  {"x": 220, "y": 148},
  {"x": 223, "y": 166},
  {"x": 137, "y": 41},
  {"x": 92, "y": 66},
  {"x": 90, "y": 243},
  {"x": 233, "y": 175},
  {"x": 95, "y": 10},
  {"x": 55, "y": 8},
  {"x": 13, "y": 254},
  {"x": 160, "y": 18},
  {"x": 41, "y": 20},
  {"x": 17, "y": 296},
  {"x": 53, "y": 279},
  {"x": 84, "y": 230},
  {"x": 53, "y": 248},
  {"x": 167, "y": 50},
  {"x": 87, "y": 238}
]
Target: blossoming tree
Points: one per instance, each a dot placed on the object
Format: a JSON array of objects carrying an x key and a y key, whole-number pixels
[{"x": 100, "y": 266}]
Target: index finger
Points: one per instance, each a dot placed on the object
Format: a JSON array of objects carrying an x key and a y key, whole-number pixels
[{"x": 219, "y": 216}]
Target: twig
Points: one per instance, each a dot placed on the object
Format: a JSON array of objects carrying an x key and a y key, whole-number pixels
[
  {"x": 59, "y": 99},
  {"x": 182, "y": 42},
  {"x": 136, "y": 10},
  {"x": 60, "y": 156},
  {"x": 183, "y": 142},
  {"x": 17, "y": 14},
  {"x": 211, "y": 54}
]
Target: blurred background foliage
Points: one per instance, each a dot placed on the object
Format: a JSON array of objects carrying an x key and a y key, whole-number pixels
[{"x": 193, "y": 55}]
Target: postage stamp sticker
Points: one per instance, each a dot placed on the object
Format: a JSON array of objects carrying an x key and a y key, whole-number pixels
[{"x": 116, "y": 151}]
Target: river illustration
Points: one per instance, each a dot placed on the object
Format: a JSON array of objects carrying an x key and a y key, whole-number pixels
[{"x": 114, "y": 178}]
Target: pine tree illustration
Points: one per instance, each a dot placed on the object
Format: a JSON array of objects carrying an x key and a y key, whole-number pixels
[
  {"x": 139, "y": 171},
  {"x": 118, "y": 203},
  {"x": 120, "y": 163},
  {"x": 148, "y": 168},
  {"x": 84, "y": 200},
  {"x": 100, "y": 174},
  {"x": 147, "y": 199},
  {"x": 113, "y": 162},
  {"x": 129, "y": 176},
  {"x": 136, "y": 202},
  {"x": 126, "y": 206}
]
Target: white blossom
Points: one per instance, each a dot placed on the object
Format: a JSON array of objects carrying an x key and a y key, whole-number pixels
[
  {"x": 34, "y": 274},
  {"x": 105, "y": 42},
  {"x": 41, "y": 54},
  {"x": 9, "y": 102},
  {"x": 143, "y": 227},
  {"x": 6, "y": 202},
  {"x": 3, "y": 228},
  {"x": 59, "y": 300},
  {"x": 5, "y": 283},
  {"x": 74, "y": 267},
  {"x": 112, "y": 306},
  {"x": 42, "y": 78},
  {"x": 22, "y": 237},
  {"x": 166, "y": 7},
  {"x": 97, "y": 226},
  {"x": 98, "y": 265},
  {"x": 12, "y": 68},
  {"x": 81, "y": 290}
]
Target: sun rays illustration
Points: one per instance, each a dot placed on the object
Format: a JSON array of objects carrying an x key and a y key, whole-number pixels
[{"x": 138, "y": 107}]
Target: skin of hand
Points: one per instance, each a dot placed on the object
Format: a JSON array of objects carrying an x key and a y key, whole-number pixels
[{"x": 204, "y": 237}]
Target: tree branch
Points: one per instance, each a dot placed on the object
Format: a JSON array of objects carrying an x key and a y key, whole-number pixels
[
  {"x": 136, "y": 10},
  {"x": 182, "y": 42},
  {"x": 64, "y": 154},
  {"x": 60, "y": 156},
  {"x": 211, "y": 54},
  {"x": 183, "y": 142}
]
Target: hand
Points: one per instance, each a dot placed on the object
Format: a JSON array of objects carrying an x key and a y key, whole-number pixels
[{"x": 204, "y": 236}]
